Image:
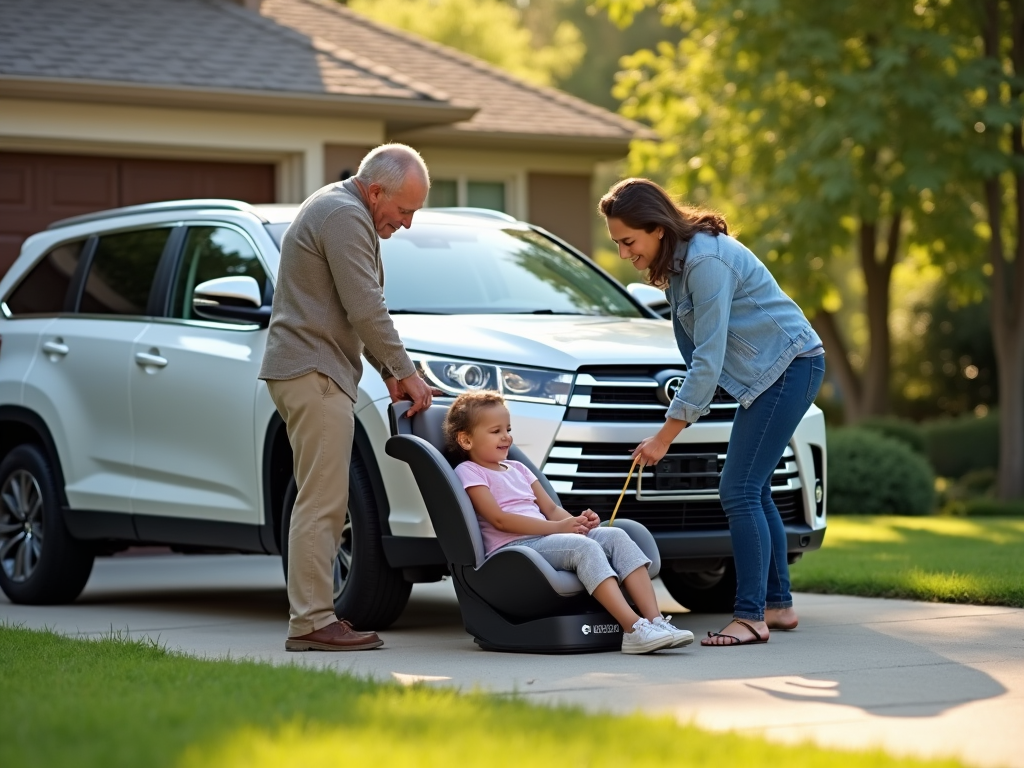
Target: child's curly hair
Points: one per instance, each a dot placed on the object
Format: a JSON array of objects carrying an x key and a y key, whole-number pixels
[{"x": 462, "y": 417}]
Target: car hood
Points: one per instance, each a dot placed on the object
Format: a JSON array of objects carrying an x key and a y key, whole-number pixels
[{"x": 558, "y": 342}]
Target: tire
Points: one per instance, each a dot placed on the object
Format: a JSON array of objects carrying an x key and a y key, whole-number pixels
[
  {"x": 705, "y": 591},
  {"x": 367, "y": 592},
  {"x": 40, "y": 563}
]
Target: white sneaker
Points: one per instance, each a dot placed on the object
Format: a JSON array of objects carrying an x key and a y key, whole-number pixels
[
  {"x": 646, "y": 638},
  {"x": 681, "y": 636}
]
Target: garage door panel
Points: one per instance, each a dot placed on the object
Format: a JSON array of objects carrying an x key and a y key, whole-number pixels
[
  {"x": 147, "y": 181},
  {"x": 37, "y": 189}
]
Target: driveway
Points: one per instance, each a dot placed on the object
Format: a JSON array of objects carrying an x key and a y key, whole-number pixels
[{"x": 914, "y": 678}]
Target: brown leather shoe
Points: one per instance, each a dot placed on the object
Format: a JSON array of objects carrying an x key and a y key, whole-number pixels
[{"x": 338, "y": 636}]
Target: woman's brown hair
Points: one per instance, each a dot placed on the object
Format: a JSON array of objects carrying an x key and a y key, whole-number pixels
[
  {"x": 462, "y": 417},
  {"x": 642, "y": 204}
]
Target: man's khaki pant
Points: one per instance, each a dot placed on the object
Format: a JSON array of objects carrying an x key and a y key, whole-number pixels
[{"x": 320, "y": 425}]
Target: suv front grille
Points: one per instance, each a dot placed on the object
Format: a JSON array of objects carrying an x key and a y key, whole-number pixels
[
  {"x": 682, "y": 497},
  {"x": 631, "y": 394}
]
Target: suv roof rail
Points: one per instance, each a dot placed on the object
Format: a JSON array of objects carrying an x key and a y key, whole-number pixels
[
  {"x": 170, "y": 205},
  {"x": 489, "y": 213}
]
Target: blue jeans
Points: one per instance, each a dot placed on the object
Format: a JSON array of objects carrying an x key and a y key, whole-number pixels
[{"x": 760, "y": 435}]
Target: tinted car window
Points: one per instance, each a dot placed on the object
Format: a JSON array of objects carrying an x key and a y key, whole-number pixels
[
  {"x": 44, "y": 289},
  {"x": 462, "y": 270},
  {"x": 212, "y": 252},
  {"x": 122, "y": 271}
]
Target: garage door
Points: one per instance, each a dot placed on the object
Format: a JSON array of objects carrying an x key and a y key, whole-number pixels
[{"x": 38, "y": 189}]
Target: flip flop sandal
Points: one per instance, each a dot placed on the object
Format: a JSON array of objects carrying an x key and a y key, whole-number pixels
[{"x": 753, "y": 631}]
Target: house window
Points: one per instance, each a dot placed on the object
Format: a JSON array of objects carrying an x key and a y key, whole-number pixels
[
  {"x": 474, "y": 193},
  {"x": 444, "y": 193}
]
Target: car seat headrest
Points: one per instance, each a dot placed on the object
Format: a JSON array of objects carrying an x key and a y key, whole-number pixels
[{"x": 425, "y": 424}]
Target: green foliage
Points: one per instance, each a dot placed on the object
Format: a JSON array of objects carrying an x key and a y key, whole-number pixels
[
  {"x": 939, "y": 559},
  {"x": 957, "y": 446},
  {"x": 903, "y": 430},
  {"x": 491, "y": 30},
  {"x": 806, "y": 119},
  {"x": 114, "y": 703},
  {"x": 984, "y": 507},
  {"x": 871, "y": 474}
]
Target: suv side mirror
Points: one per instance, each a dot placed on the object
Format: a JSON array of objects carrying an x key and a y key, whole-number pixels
[
  {"x": 650, "y": 297},
  {"x": 231, "y": 298}
]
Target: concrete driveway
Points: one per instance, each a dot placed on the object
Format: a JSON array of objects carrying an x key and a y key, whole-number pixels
[{"x": 914, "y": 678}]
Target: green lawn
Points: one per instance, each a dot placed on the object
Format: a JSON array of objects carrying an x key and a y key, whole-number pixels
[
  {"x": 941, "y": 559},
  {"x": 116, "y": 703}
]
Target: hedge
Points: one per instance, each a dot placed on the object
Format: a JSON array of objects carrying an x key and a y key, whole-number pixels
[{"x": 871, "y": 474}]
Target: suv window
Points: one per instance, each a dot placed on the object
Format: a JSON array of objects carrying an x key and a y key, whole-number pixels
[
  {"x": 44, "y": 289},
  {"x": 122, "y": 271},
  {"x": 212, "y": 252},
  {"x": 455, "y": 270}
]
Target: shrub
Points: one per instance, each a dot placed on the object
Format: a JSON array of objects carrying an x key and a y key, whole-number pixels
[
  {"x": 871, "y": 474},
  {"x": 984, "y": 507},
  {"x": 899, "y": 429},
  {"x": 957, "y": 446}
]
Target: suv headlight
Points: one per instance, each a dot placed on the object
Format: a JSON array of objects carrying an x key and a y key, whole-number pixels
[{"x": 532, "y": 385}]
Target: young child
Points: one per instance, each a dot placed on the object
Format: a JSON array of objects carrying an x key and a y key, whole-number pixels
[{"x": 513, "y": 507}]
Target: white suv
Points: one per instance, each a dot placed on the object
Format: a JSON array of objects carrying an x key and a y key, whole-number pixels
[{"x": 130, "y": 411}]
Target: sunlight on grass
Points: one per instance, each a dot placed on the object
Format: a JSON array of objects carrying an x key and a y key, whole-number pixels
[
  {"x": 124, "y": 703},
  {"x": 940, "y": 559}
]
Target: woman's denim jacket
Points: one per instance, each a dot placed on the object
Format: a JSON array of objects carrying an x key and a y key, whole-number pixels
[{"x": 733, "y": 323}]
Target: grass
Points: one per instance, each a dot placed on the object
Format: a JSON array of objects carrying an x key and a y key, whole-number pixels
[
  {"x": 938, "y": 559},
  {"x": 118, "y": 702}
]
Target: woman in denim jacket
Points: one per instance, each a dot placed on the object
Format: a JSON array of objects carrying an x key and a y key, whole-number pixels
[{"x": 735, "y": 327}]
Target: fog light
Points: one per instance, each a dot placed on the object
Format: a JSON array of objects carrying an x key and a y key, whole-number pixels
[{"x": 819, "y": 492}]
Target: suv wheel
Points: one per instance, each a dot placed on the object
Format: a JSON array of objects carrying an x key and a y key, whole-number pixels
[
  {"x": 704, "y": 591},
  {"x": 40, "y": 564},
  {"x": 367, "y": 592}
]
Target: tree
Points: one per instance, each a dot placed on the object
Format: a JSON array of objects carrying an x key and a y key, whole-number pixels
[
  {"x": 821, "y": 127},
  {"x": 990, "y": 43},
  {"x": 491, "y": 30}
]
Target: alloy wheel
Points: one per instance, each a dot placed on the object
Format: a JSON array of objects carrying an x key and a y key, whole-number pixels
[
  {"x": 343, "y": 562},
  {"x": 21, "y": 525}
]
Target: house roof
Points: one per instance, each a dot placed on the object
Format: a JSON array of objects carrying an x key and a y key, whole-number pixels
[
  {"x": 309, "y": 56},
  {"x": 208, "y": 51},
  {"x": 510, "y": 110}
]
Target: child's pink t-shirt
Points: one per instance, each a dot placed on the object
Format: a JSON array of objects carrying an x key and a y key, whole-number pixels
[{"x": 512, "y": 490}]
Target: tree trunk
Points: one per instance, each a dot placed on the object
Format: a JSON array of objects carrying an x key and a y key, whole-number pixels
[
  {"x": 878, "y": 278},
  {"x": 838, "y": 365}
]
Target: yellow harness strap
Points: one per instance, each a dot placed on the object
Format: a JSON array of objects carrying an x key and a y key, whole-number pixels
[{"x": 629, "y": 477}]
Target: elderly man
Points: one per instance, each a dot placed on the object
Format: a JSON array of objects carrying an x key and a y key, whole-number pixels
[{"x": 328, "y": 310}]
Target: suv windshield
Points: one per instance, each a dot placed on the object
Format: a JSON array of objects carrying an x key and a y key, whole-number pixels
[{"x": 460, "y": 269}]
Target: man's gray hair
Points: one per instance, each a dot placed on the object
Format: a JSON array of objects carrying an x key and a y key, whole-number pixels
[{"x": 389, "y": 165}]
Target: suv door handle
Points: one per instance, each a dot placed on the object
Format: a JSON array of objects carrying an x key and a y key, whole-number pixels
[
  {"x": 147, "y": 359},
  {"x": 56, "y": 348}
]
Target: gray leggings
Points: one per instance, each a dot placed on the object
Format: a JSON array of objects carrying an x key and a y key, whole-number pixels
[{"x": 601, "y": 554}]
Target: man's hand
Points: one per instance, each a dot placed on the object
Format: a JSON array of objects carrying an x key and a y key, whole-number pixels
[{"x": 416, "y": 389}]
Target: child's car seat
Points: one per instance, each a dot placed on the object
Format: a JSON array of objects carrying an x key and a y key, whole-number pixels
[{"x": 512, "y": 600}]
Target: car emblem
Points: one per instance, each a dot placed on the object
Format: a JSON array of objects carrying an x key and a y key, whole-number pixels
[
  {"x": 586, "y": 629},
  {"x": 669, "y": 383}
]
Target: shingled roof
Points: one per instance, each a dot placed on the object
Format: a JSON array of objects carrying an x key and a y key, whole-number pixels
[
  {"x": 510, "y": 110},
  {"x": 158, "y": 51},
  {"x": 299, "y": 55}
]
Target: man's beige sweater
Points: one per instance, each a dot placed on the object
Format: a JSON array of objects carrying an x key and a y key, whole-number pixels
[{"x": 329, "y": 299}]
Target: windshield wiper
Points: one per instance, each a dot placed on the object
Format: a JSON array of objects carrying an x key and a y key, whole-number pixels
[
  {"x": 417, "y": 312},
  {"x": 551, "y": 312}
]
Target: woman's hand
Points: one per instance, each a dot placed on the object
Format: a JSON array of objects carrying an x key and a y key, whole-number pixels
[{"x": 651, "y": 450}]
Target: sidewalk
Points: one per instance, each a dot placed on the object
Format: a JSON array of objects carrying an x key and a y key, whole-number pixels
[{"x": 918, "y": 679}]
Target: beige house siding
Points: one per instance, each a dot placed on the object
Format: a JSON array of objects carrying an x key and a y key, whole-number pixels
[
  {"x": 560, "y": 203},
  {"x": 295, "y": 144}
]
